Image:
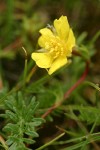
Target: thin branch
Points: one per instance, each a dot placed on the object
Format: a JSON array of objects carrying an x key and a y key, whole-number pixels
[
  {"x": 3, "y": 143},
  {"x": 81, "y": 79},
  {"x": 67, "y": 94}
]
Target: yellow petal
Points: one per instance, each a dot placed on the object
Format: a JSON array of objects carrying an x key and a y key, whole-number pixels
[
  {"x": 59, "y": 62},
  {"x": 62, "y": 27},
  {"x": 45, "y": 37},
  {"x": 43, "y": 60},
  {"x": 70, "y": 41},
  {"x": 46, "y": 31},
  {"x": 41, "y": 41}
]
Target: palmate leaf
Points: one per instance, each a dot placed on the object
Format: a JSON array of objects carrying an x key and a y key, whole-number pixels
[
  {"x": 10, "y": 101},
  {"x": 15, "y": 139},
  {"x": 12, "y": 140},
  {"x": 90, "y": 116},
  {"x": 16, "y": 143},
  {"x": 31, "y": 125},
  {"x": 11, "y": 116},
  {"x": 17, "y": 146},
  {"x": 51, "y": 95},
  {"x": 28, "y": 115},
  {"x": 21, "y": 121},
  {"x": 84, "y": 113},
  {"x": 82, "y": 141},
  {"x": 10, "y": 127}
]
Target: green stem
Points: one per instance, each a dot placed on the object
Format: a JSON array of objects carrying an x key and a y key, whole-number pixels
[
  {"x": 25, "y": 67},
  {"x": 49, "y": 143},
  {"x": 67, "y": 94}
]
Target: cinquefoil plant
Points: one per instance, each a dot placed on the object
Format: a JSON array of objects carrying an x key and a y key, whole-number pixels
[{"x": 22, "y": 123}]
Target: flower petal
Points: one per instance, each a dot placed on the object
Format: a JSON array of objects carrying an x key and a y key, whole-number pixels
[
  {"x": 46, "y": 31},
  {"x": 41, "y": 41},
  {"x": 59, "y": 62},
  {"x": 45, "y": 37},
  {"x": 62, "y": 27},
  {"x": 43, "y": 60},
  {"x": 70, "y": 42}
]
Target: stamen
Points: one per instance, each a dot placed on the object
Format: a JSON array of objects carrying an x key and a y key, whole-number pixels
[{"x": 56, "y": 47}]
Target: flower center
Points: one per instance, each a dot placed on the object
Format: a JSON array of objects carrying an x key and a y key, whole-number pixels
[{"x": 56, "y": 47}]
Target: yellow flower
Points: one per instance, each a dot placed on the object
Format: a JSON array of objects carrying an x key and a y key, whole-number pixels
[{"x": 56, "y": 45}]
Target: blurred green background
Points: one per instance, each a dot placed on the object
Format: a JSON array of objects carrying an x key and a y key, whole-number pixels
[{"x": 20, "y": 22}]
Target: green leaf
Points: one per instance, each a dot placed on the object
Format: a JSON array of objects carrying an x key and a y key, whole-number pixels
[
  {"x": 96, "y": 86},
  {"x": 21, "y": 121},
  {"x": 13, "y": 128},
  {"x": 11, "y": 116},
  {"x": 37, "y": 121},
  {"x": 84, "y": 52},
  {"x": 28, "y": 141},
  {"x": 30, "y": 110},
  {"x": 81, "y": 38},
  {"x": 9, "y": 103},
  {"x": 85, "y": 113},
  {"x": 32, "y": 134}
]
